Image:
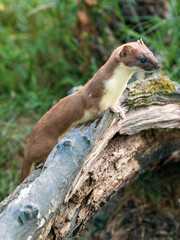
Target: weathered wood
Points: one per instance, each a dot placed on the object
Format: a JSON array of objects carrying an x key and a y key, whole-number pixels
[{"x": 90, "y": 164}]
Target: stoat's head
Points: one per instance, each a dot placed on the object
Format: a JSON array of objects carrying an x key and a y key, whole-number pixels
[{"x": 137, "y": 56}]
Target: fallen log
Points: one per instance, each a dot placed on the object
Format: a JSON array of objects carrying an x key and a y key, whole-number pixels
[{"x": 92, "y": 162}]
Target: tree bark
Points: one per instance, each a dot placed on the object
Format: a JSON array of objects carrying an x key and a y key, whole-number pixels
[{"x": 89, "y": 165}]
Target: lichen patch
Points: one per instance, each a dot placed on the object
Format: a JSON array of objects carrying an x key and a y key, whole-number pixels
[{"x": 156, "y": 85}]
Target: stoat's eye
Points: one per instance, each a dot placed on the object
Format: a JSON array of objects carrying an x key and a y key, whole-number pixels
[{"x": 142, "y": 60}]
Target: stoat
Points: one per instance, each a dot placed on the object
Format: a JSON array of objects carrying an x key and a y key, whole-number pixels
[{"x": 100, "y": 92}]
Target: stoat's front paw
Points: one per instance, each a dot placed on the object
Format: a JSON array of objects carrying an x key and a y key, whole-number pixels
[{"x": 118, "y": 109}]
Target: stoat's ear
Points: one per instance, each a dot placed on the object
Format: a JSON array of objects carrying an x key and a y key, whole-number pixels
[
  {"x": 140, "y": 41},
  {"x": 127, "y": 50}
]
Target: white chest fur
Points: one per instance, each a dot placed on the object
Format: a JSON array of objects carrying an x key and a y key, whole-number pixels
[{"x": 115, "y": 86}]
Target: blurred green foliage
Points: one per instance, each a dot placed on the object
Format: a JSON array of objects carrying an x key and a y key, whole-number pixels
[{"x": 40, "y": 59}]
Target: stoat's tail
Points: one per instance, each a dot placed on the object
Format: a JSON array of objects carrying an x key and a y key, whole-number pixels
[{"x": 26, "y": 169}]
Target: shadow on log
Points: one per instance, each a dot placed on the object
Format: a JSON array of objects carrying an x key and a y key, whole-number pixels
[{"x": 89, "y": 165}]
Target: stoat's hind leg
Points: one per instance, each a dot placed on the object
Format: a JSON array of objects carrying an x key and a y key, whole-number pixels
[{"x": 26, "y": 169}]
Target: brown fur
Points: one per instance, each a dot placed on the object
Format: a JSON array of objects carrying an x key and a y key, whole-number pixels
[
  {"x": 131, "y": 53},
  {"x": 70, "y": 110}
]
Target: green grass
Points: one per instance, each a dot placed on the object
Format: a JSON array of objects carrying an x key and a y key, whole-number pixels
[{"x": 40, "y": 59}]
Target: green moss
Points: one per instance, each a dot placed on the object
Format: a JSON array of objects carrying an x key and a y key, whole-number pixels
[
  {"x": 161, "y": 85},
  {"x": 155, "y": 86}
]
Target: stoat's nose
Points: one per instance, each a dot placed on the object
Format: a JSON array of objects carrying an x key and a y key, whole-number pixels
[{"x": 157, "y": 66}]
